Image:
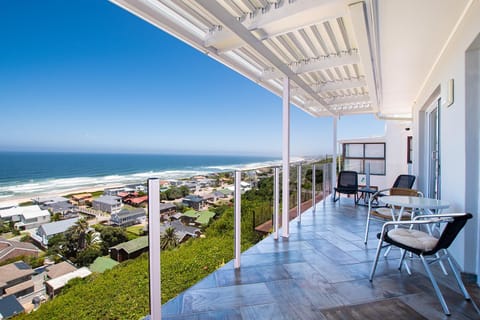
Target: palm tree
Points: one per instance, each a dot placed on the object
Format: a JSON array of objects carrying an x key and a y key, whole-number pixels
[
  {"x": 169, "y": 239},
  {"x": 79, "y": 231}
]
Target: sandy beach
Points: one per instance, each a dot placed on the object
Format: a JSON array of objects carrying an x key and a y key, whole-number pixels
[{"x": 18, "y": 200}]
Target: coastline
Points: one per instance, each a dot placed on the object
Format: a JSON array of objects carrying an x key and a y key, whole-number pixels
[{"x": 22, "y": 199}]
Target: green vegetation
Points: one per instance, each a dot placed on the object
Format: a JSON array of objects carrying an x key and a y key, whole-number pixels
[
  {"x": 122, "y": 292},
  {"x": 136, "y": 230},
  {"x": 174, "y": 193},
  {"x": 169, "y": 239},
  {"x": 32, "y": 261}
]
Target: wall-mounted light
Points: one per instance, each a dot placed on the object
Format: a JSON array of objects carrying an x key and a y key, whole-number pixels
[{"x": 450, "y": 93}]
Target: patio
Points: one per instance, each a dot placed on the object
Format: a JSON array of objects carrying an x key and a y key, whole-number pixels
[{"x": 320, "y": 272}]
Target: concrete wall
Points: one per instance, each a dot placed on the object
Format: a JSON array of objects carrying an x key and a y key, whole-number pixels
[{"x": 452, "y": 65}]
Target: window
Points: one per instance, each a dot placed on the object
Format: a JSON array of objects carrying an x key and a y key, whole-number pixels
[{"x": 357, "y": 155}]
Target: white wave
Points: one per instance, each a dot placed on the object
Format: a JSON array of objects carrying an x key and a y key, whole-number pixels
[{"x": 69, "y": 185}]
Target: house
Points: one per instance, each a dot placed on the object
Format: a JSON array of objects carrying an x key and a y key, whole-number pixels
[
  {"x": 48, "y": 230},
  {"x": 16, "y": 279},
  {"x": 82, "y": 198},
  {"x": 8, "y": 205},
  {"x": 214, "y": 196},
  {"x": 59, "y": 269},
  {"x": 197, "y": 217},
  {"x": 108, "y": 204},
  {"x": 54, "y": 286},
  {"x": 193, "y": 201},
  {"x": 137, "y": 201},
  {"x": 65, "y": 208},
  {"x": 48, "y": 200},
  {"x": 130, "y": 249},
  {"x": 167, "y": 208},
  {"x": 205, "y": 217},
  {"x": 126, "y": 217},
  {"x": 10, "y": 307},
  {"x": 113, "y": 191},
  {"x": 183, "y": 232},
  {"x": 10, "y": 249},
  {"x": 31, "y": 217}
]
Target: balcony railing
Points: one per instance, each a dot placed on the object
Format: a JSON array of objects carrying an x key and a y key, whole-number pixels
[{"x": 309, "y": 182}]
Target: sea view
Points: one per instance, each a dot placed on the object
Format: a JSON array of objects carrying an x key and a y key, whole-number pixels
[{"x": 33, "y": 174}]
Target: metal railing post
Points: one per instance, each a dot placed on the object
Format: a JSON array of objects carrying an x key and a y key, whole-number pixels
[
  {"x": 154, "y": 249},
  {"x": 324, "y": 182},
  {"x": 299, "y": 192},
  {"x": 313, "y": 188},
  {"x": 276, "y": 201},
  {"x": 237, "y": 219}
]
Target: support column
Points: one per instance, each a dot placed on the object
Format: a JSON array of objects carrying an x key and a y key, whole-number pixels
[
  {"x": 237, "y": 219},
  {"x": 276, "y": 201},
  {"x": 154, "y": 248},
  {"x": 285, "y": 157},
  {"x": 334, "y": 154}
]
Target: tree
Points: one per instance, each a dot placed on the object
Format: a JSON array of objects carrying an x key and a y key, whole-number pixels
[
  {"x": 169, "y": 239},
  {"x": 111, "y": 236}
]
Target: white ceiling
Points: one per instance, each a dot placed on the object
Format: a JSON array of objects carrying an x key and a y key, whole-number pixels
[{"x": 342, "y": 56}]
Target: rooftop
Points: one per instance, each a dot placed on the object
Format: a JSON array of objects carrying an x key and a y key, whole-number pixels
[
  {"x": 111, "y": 200},
  {"x": 56, "y": 227},
  {"x": 101, "y": 264},
  {"x": 14, "y": 271},
  {"x": 60, "y": 269},
  {"x": 133, "y": 245},
  {"x": 61, "y": 281}
]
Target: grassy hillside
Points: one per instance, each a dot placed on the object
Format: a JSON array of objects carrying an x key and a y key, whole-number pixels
[{"x": 122, "y": 293}]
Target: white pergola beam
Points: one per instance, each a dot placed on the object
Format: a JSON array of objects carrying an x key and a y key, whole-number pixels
[
  {"x": 285, "y": 157},
  {"x": 277, "y": 21},
  {"x": 333, "y": 86},
  {"x": 230, "y": 22},
  {"x": 364, "y": 43},
  {"x": 316, "y": 65}
]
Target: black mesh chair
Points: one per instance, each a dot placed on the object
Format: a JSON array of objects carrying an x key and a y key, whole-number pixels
[
  {"x": 347, "y": 183},
  {"x": 405, "y": 181},
  {"x": 423, "y": 244}
]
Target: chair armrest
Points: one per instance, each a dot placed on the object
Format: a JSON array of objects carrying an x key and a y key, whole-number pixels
[{"x": 431, "y": 219}]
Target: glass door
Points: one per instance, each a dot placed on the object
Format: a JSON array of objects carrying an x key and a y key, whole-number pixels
[{"x": 433, "y": 125}]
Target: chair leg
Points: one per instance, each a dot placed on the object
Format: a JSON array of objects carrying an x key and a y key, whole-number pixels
[
  {"x": 375, "y": 262},
  {"x": 435, "y": 286},
  {"x": 457, "y": 276},
  {"x": 367, "y": 227},
  {"x": 402, "y": 259}
]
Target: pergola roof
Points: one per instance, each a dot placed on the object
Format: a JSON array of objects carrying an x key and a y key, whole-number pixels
[{"x": 335, "y": 52}]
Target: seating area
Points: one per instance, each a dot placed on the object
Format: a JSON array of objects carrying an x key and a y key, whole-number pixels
[{"x": 322, "y": 271}]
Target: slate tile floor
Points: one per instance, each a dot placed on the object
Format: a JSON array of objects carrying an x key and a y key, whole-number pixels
[{"x": 321, "y": 269}]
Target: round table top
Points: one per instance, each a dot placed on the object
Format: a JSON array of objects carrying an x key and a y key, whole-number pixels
[{"x": 414, "y": 202}]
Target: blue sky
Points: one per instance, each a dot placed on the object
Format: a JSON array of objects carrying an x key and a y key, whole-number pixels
[{"x": 88, "y": 76}]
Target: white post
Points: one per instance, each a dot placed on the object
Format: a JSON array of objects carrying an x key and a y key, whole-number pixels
[
  {"x": 334, "y": 156},
  {"x": 154, "y": 248},
  {"x": 299, "y": 193},
  {"x": 237, "y": 219},
  {"x": 276, "y": 200},
  {"x": 286, "y": 156},
  {"x": 367, "y": 175},
  {"x": 314, "y": 181}
]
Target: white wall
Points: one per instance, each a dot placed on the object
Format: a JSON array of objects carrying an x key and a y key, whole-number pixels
[
  {"x": 396, "y": 137},
  {"x": 452, "y": 134}
]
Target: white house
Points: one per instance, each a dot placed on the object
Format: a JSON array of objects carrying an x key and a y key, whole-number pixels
[{"x": 28, "y": 217}]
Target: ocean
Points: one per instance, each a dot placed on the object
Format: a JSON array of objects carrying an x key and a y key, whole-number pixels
[{"x": 33, "y": 174}]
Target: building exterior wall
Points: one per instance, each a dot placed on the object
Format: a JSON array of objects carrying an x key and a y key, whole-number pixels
[{"x": 451, "y": 65}]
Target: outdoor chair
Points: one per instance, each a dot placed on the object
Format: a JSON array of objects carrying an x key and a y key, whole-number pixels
[
  {"x": 347, "y": 183},
  {"x": 401, "y": 234},
  {"x": 384, "y": 213},
  {"x": 404, "y": 181}
]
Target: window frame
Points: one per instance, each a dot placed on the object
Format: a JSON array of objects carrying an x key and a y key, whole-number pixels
[{"x": 363, "y": 158}]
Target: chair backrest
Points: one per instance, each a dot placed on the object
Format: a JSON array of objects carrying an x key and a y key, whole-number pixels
[
  {"x": 450, "y": 232},
  {"x": 403, "y": 192},
  {"x": 348, "y": 180},
  {"x": 404, "y": 181}
]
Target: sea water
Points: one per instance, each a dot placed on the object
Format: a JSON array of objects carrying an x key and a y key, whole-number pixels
[{"x": 32, "y": 174}]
